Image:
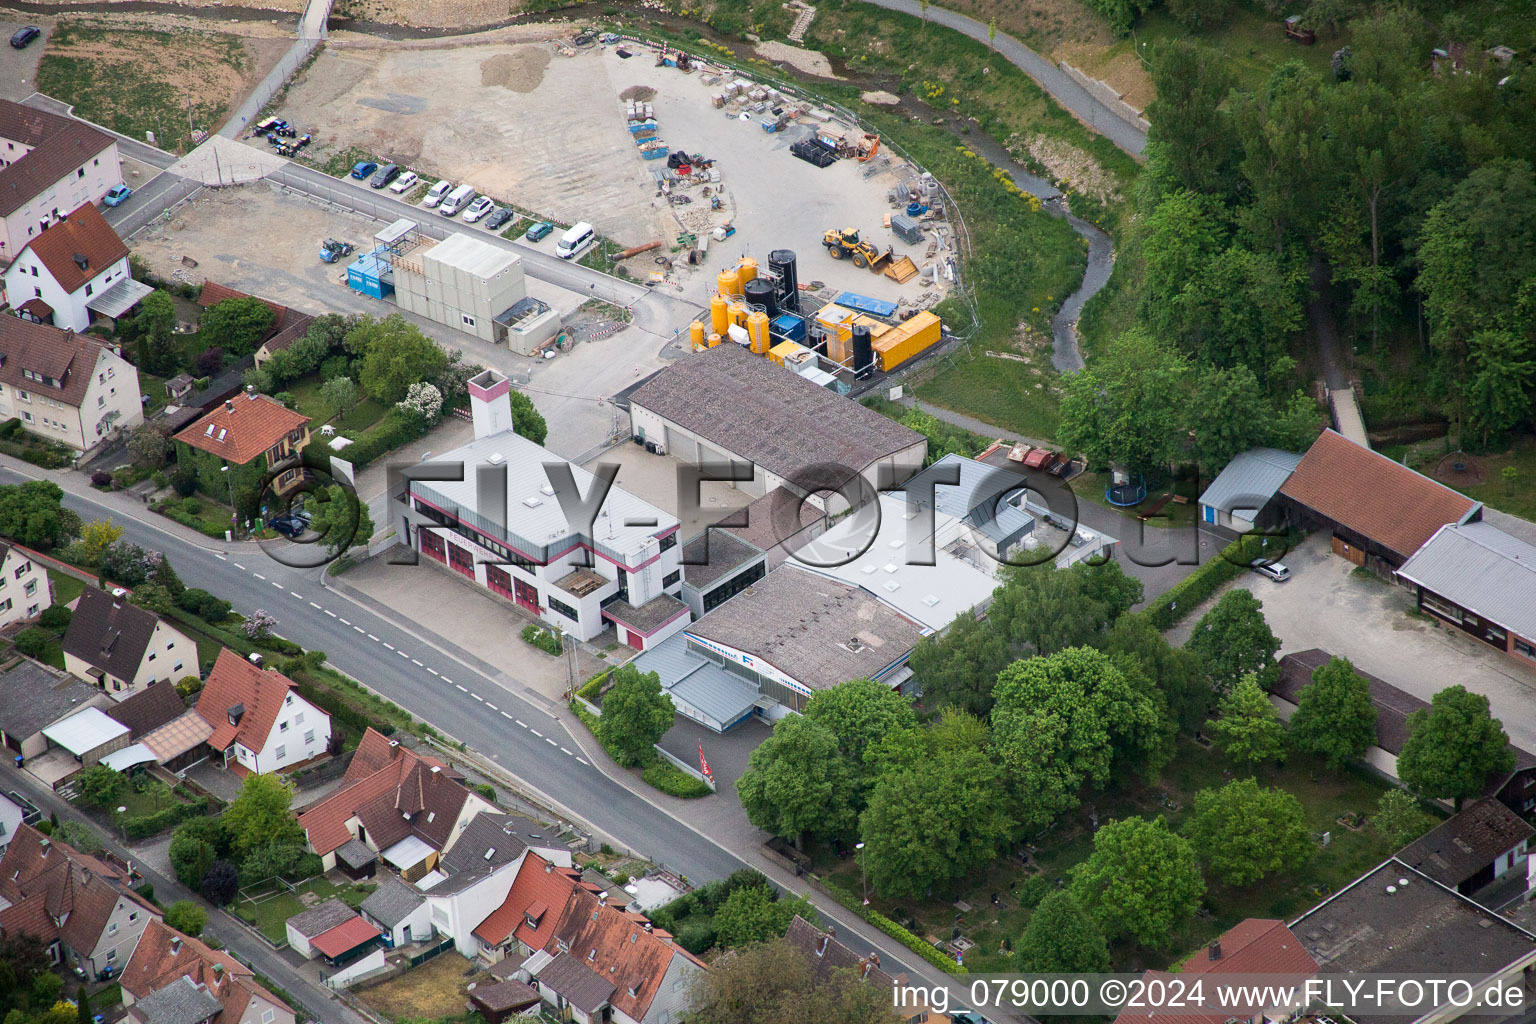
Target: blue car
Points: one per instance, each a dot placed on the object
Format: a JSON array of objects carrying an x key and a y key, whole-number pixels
[
  {"x": 363, "y": 168},
  {"x": 117, "y": 194}
]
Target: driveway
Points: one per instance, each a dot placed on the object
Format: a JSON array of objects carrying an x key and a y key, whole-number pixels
[
  {"x": 1367, "y": 620},
  {"x": 18, "y": 68}
]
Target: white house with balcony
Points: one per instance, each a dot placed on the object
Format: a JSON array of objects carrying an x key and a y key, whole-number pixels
[
  {"x": 577, "y": 564},
  {"x": 68, "y": 274}
]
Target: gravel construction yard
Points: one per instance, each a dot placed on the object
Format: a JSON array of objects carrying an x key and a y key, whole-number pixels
[{"x": 527, "y": 125}]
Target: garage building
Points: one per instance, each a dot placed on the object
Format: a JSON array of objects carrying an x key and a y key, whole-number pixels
[
  {"x": 725, "y": 404},
  {"x": 1243, "y": 494},
  {"x": 1481, "y": 580}
]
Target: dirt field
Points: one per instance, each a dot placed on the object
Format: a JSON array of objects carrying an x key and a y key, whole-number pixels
[
  {"x": 140, "y": 77},
  {"x": 435, "y": 989},
  {"x": 427, "y": 13}
]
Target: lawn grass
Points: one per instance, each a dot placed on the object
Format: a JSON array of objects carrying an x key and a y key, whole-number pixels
[
  {"x": 1091, "y": 486},
  {"x": 271, "y": 914},
  {"x": 1517, "y": 498},
  {"x": 1253, "y": 43},
  {"x": 1007, "y": 394},
  {"x": 155, "y": 796},
  {"x": 306, "y": 395},
  {"x": 137, "y": 80},
  {"x": 65, "y": 587},
  {"x": 1325, "y": 795},
  {"x": 433, "y": 991}
]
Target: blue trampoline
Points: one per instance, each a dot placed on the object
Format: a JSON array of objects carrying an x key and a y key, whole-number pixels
[{"x": 1125, "y": 495}]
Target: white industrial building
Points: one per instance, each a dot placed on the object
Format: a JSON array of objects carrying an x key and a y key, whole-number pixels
[
  {"x": 623, "y": 567},
  {"x": 726, "y": 404},
  {"x": 474, "y": 286}
]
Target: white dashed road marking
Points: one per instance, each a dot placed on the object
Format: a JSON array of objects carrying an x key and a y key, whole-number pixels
[
  {"x": 416, "y": 663},
  {"x": 404, "y": 655},
  {"x": 478, "y": 697},
  {"x": 330, "y": 613},
  {"x": 433, "y": 671},
  {"x": 567, "y": 753},
  {"x": 358, "y": 628},
  {"x": 520, "y": 722},
  {"x": 258, "y": 575},
  {"x": 550, "y": 742},
  {"x": 298, "y": 595},
  {"x": 507, "y": 717},
  {"x": 220, "y": 557},
  {"x": 460, "y": 688},
  {"x": 237, "y": 565},
  {"x": 585, "y": 761},
  {"x": 373, "y": 638},
  {"x": 344, "y": 622},
  {"x": 313, "y": 605},
  {"x": 534, "y": 731},
  {"x": 493, "y": 707}
]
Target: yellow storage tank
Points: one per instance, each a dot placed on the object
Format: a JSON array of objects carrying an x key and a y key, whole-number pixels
[
  {"x": 696, "y": 334},
  {"x": 714, "y": 339},
  {"x": 728, "y": 283},
  {"x": 719, "y": 318},
  {"x": 907, "y": 340},
  {"x": 757, "y": 330},
  {"x": 746, "y": 271},
  {"x": 737, "y": 313}
]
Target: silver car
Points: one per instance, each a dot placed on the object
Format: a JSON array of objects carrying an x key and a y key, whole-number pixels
[{"x": 1273, "y": 570}]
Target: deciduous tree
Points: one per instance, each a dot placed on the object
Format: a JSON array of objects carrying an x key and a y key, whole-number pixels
[
  {"x": 339, "y": 395},
  {"x": 1334, "y": 715},
  {"x": 1243, "y": 832},
  {"x": 1178, "y": 673},
  {"x": 1062, "y": 938},
  {"x": 1233, "y": 640},
  {"x": 395, "y": 355},
  {"x": 1249, "y": 729},
  {"x": 958, "y": 668},
  {"x": 859, "y": 712},
  {"x": 636, "y": 715},
  {"x": 236, "y": 325},
  {"x": 797, "y": 784},
  {"x": 261, "y": 814},
  {"x": 1453, "y": 746},
  {"x": 1399, "y": 819},
  {"x": 342, "y": 520},
  {"x": 1127, "y": 406},
  {"x": 1141, "y": 880},
  {"x": 757, "y": 913},
  {"x": 186, "y": 917},
  {"x": 774, "y": 982}
]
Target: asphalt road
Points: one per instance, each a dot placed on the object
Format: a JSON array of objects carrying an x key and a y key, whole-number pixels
[{"x": 235, "y": 935}]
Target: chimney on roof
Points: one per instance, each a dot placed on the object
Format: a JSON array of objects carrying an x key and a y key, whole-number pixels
[
  {"x": 602, "y": 898},
  {"x": 250, "y": 392},
  {"x": 867, "y": 963},
  {"x": 436, "y": 768},
  {"x": 647, "y": 926},
  {"x": 821, "y": 947},
  {"x": 1214, "y": 951},
  {"x": 229, "y": 406}
]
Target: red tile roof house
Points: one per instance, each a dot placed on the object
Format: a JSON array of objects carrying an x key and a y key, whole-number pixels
[
  {"x": 407, "y": 807},
  {"x": 591, "y": 960},
  {"x": 255, "y": 431},
  {"x": 1252, "y": 947},
  {"x": 290, "y": 325},
  {"x": 81, "y": 908},
  {"x": 51, "y": 164},
  {"x": 260, "y": 722},
  {"x": 66, "y": 387},
  {"x": 1379, "y": 511},
  {"x": 170, "y": 973},
  {"x": 73, "y": 271}
]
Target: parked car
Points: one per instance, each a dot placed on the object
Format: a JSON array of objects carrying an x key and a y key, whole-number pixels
[
  {"x": 116, "y": 195},
  {"x": 23, "y": 36},
  {"x": 436, "y": 192},
  {"x": 538, "y": 231},
  {"x": 477, "y": 209},
  {"x": 575, "y": 241},
  {"x": 291, "y": 525},
  {"x": 384, "y": 175},
  {"x": 454, "y": 202},
  {"x": 1273, "y": 570},
  {"x": 498, "y": 217},
  {"x": 404, "y": 182},
  {"x": 363, "y": 168}
]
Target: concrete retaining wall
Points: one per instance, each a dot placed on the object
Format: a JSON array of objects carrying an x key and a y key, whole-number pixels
[{"x": 1106, "y": 95}]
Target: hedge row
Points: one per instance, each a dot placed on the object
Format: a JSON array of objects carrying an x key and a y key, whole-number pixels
[
  {"x": 332, "y": 701},
  {"x": 544, "y": 639},
  {"x": 593, "y": 688},
  {"x": 146, "y": 825},
  {"x": 926, "y": 950},
  {"x": 1165, "y": 610},
  {"x": 396, "y": 429},
  {"x": 660, "y": 774}
]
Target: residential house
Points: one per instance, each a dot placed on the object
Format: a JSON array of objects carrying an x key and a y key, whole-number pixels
[
  {"x": 88, "y": 735},
  {"x": 406, "y": 807},
  {"x": 81, "y": 908},
  {"x": 1482, "y": 843},
  {"x": 11, "y": 815},
  {"x": 516, "y": 539},
  {"x": 24, "y": 587},
  {"x": 289, "y": 326},
  {"x": 826, "y": 955},
  {"x": 1246, "y": 950},
  {"x": 149, "y": 709},
  {"x": 65, "y": 387},
  {"x": 123, "y": 648},
  {"x": 1396, "y": 920},
  {"x": 172, "y": 976},
  {"x": 49, "y": 164},
  {"x": 260, "y": 722},
  {"x": 399, "y": 912},
  {"x": 255, "y": 432},
  {"x": 34, "y": 697},
  {"x": 1378, "y": 511},
  {"x": 525, "y": 921},
  {"x": 73, "y": 271}
]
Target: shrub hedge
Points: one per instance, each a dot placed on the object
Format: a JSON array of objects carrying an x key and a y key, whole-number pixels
[
  {"x": 173, "y": 510},
  {"x": 659, "y": 774},
  {"x": 544, "y": 639},
  {"x": 145, "y": 825},
  {"x": 923, "y": 949}
]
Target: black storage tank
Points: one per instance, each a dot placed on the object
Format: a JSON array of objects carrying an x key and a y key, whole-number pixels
[
  {"x": 760, "y": 292},
  {"x": 863, "y": 353},
  {"x": 781, "y": 264}
]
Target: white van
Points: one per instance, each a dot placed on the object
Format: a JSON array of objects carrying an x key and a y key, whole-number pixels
[
  {"x": 456, "y": 200},
  {"x": 436, "y": 192},
  {"x": 574, "y": 241}
]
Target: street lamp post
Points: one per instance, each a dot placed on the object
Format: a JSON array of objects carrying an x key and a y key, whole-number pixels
[
  {"x": 120, "y": 826},
  {"x": 863, "y": 876}
]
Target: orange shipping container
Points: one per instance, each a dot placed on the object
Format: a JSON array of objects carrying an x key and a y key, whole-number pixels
[{"x": 906, "y": 340}]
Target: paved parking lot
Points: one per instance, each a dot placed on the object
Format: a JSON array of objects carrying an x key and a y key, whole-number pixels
[
  {"x": 18, "y": 68},
  {"x": 1326, "y": 605}
]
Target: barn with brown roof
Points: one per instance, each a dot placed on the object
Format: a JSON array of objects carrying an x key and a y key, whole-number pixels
[{"x": 1378, "y": 511}]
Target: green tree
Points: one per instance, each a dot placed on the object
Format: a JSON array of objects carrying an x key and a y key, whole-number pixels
[
  {"x": 155, "y": 325},
  {"x": 1138, "y": 646},
  {"x": 187, "y": 917},
  {"x": 99, "y": 786},
  {"x": 1127, "y": 405},
  {"x": 261, "y": 814},
  {"x": 1243, "y": 832},
  {"x": 236, "y": 325},
  {"x": 1193, "y": 142},
  {"x": 958, "y": 668},
  {"x": 1284, "y": 134},
  {"x": 154, "y": 597},
  {"x": 395, "y": 355},
  {"x": 1399, "y": 819},
  {"x": 1061, "y": 938},
  {"x": 1227, "y": 414},
  {"x": 527, "y": 420},
  {"x": 1241, "y": 310},
  {"x": 1183, "y": 233},
  {"x": 797, "y": 784},
  {"x": 1502, "y": 384},
  {"x": 220, "y": 884},
  {"x": 46, "y": 989},
  {"x": 1141, "y": 881},
  {"x": 934, "y": 818},
  {"x": 77, "y": 835},
  {"x": 1249, "y": 728},
  {"x": 756, "y": 913},
  {"x": 1043, "y": 609},
  {"x": 339, "y": 396},
  {"x": 1334, "y": 715},
  {"x": 190, "y": 857},
  {"x": 1233, "y": 641},
  {"x": 1068, "y": 719},
  {"x": 1198, "y": 14},
  {"x": 1295, "y": 423},
  {"x": 33, "y": 641},
  {"x": 33, "y": 513},
  {"x": 83, "y": 1013},
  {"x": 636, "y": 715},
  {"x": 149, "y": 446},
  {"x": 1453, "y": 746},
  {"x": 774, "y": 982},
  {"x": 342, "y": 520},
  {"x": 859, "y": 713},
  {"x": 95, "y": 538}
]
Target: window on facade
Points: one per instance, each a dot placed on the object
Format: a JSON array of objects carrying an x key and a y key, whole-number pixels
[
  {"x": 309, "y": 737},
  {"x": 281, "y": 751},
  {"x": 112, "y": 928},
  {"x": 151, "y": 657},
  {"x": 671, "y": 578},
  {"x": 555, "y": 604},
  {"x": 282, "y": 726},
  {"x": 32, "y": 610},
  {"x": 469, "y": 321},
  {"x": 1496, "y": 635},
  {"x": 669, "y": 541},
  {"x": 31, "y": 587},
  {"x": 80, "y": 173},
  {"x": 1440, "y": 606},
  {"x": 298, "y": 719},
  {"x": 1525, "y": 648}
]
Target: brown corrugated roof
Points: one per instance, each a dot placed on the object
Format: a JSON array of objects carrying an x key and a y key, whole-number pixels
[
  {"x": 243, "y": 428},
  {"x": 63, "y": 356},
  {"x": 1370, "y": 494},
  {"x": 59, "y": 146},
  {"x": 84, "y": 233}
]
